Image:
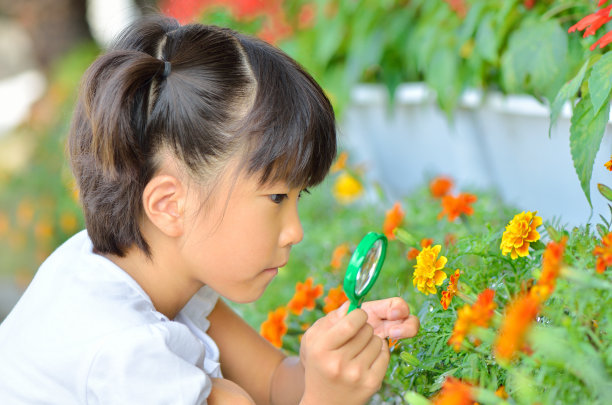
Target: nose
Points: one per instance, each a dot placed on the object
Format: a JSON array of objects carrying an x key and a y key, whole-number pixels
[{"x": 292, "y": 232}]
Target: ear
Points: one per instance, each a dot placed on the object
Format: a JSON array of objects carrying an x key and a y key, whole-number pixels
[{"x": 163, "y": 201}]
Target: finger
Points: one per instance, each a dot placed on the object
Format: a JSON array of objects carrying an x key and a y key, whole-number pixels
[
  {"x": 358, "y": 343},
  {"x": 388, "y": 309},
  {"x": 346, "y": 328},
  {"x": 371, "y": 351},
  {"x": 381, "y": 362},
  {"x": 403, "y": 329}
]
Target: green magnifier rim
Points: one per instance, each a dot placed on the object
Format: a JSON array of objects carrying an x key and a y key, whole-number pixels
[{"x": 354, "y": 266}]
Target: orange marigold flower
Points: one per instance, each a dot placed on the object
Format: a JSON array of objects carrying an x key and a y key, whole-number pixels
[
  {"x": 340, "y": 253},
  {"x": 608, "y": 164},
  {"x": 305, "y": 296},
  {"x": 450, "y": 239},
  {"x": 517, "y": 321},
  {"x": 335, "y": 298},
  {"x": 274, "y": 328},
  {"x": 425, "y": 242},
  {"x": 458, "y": 6},
  {"x": 340, "y": 162},
  {"x": 392, "y": 344},
  {"x": 519, "y": 233},
  {"x": 454, "y": 392},
  {"x": 347, "y": 188},
  {"x": 501, "y": 392},
  {"x": 455, "y": 206},
  {"x": 552, "y": 259},
  {"x": 440, "y": 186},
  {"x": 393, "y": 219},
  {"x": 468, "y": 317},
  {"x": 451, "y": 290},
  {"x": 603, "y": 252},
  {"x": 428, "y": 270},
  {"x": 412, "y": 253}
]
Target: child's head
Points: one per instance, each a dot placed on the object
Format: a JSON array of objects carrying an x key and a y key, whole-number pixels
[{"x": 202, "y": 94}]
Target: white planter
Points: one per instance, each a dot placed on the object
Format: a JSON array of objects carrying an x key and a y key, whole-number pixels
[{"x": 498, "y": 142}]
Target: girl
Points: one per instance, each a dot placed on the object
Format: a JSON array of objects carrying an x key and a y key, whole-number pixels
[{"x": 190, "y": 146}]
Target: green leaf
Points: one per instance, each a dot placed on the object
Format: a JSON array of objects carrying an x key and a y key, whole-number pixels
[
  {"x": 486, "y": 44},
  {"x": 414, "y": 398},
  {"x": 602, "y": 230},
  {"x": 442, "y": 76},
  {"x": 533, "y": 59},
  {"x": 605, "y": 191},
  {"x": 600, "y": 81},
  {"x": 586, "y": 132},
  {"x": 568, "y": 91}
]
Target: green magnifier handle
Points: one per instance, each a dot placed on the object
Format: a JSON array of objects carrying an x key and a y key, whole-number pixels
[{"x": 364, "y": 267}]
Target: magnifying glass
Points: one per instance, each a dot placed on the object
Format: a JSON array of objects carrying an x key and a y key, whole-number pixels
[{"x": 364, "y": 267}]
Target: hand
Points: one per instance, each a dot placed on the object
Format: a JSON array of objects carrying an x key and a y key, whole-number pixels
[
  {"x": 344, "y": 361},
  {"x": 391, "y": 318}
]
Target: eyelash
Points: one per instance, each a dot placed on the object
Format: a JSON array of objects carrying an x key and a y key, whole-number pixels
[{"x": 279, "y": 198}]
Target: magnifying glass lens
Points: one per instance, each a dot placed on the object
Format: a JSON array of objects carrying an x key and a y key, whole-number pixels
[{"x": 368, "y": 267}]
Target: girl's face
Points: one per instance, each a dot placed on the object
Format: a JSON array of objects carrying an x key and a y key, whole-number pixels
[{"x": 242, "y": 236}]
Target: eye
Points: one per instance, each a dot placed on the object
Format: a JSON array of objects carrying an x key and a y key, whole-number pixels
[{"x": 277, "y": 198}]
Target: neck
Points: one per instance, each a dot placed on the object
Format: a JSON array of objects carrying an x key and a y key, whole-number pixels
[{"x": 160, "y": 277}]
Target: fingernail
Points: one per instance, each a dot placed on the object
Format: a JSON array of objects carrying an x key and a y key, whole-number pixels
[
  {"x": 395, "y": 314},
  {"x": 395, "y": 333}
]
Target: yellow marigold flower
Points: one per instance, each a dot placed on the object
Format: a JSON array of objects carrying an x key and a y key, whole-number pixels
[
  {"x": 347, "y": 188},
  {"x": 274, "y": 328},
  {"x": 608, "y": 164},
  {"x": 519, "y": 233},
  {"x": 428, "y": 270}
]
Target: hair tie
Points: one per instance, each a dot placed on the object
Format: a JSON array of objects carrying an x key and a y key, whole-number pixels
[{"x": 167, "y": 68}]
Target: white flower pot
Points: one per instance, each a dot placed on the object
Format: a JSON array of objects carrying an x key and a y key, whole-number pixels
[{"x": 499, "y": 142}]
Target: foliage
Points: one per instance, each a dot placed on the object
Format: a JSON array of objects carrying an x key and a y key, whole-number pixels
[{"x": 567, "y": 357}]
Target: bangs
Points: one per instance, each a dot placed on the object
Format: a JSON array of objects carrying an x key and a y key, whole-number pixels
[{"x": 291, "y": 129}]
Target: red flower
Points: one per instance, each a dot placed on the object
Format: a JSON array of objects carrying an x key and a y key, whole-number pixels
[
  {"x": 529, "y": 4},
  {"x": 393, "y": 219},
  {"x": 455, "y": 206},
  {"x": 592, "y": 22},
  {"x": 412, "y": 253}
]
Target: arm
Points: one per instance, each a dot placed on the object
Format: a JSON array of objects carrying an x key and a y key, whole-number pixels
[{"x": 251, "y": 362}]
